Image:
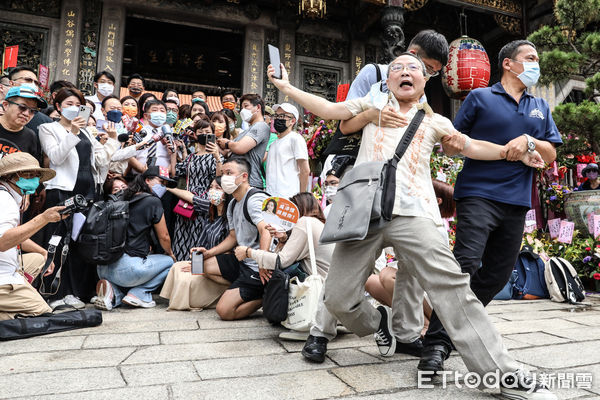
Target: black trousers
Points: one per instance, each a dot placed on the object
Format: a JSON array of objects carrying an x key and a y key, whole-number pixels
[{"x": 488, "y": 234}]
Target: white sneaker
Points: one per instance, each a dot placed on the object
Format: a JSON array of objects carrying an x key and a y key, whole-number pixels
[
  {"x": 106, "y": 295},
  {"x": 56, "y": 303},
  {"x": 522, "y": 386},
  {"x": 74, "y": 302},
  {"x": 135, "y": 302},
  {"x": 386, "y": 341}
]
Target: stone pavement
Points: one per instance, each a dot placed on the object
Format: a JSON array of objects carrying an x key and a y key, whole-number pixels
[{"x": 155, "y": 354}]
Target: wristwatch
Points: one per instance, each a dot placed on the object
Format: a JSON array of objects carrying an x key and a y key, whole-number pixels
[{"x": 530, "y": 143}]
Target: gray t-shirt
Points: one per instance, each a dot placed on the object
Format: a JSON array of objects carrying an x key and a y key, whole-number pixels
[
  {"x": 246, "y": 233},
  {"x": 260, "y": 132}
]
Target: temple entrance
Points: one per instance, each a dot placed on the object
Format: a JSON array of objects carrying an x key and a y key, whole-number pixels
[{"x": 183, "y": 57}]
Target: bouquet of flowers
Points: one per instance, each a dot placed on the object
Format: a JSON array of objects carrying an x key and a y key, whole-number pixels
[
  {"x": 443, "y": 166},
  {"x": 554, "y": 197},
  {"x": 317, "y": 134}
]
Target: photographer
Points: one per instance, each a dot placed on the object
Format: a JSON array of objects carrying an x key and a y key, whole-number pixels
[{"x": 20, "y": 175}]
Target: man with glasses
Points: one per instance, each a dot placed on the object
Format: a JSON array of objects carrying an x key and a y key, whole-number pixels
[
  {"x": 24, "y": 75},
  {"x": 20, "y": 105},
  {"x": 287, "y": 160}
]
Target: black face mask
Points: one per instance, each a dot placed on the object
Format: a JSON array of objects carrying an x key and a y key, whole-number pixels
[
  {"x": 135, "y": 90},
  {"x": 280, "y": 125},
  {"x": 201, "y": 139}
]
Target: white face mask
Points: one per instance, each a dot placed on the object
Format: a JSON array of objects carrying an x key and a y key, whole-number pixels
[
  {"x": 330, "y": 192},
  {"x": 70, "y": 112},
  {"x": 246, "y": 115},
  {"x": 228, "y": 183},
  {"x": 215, "y": 196},
  {"x": 105, "y": 89}
]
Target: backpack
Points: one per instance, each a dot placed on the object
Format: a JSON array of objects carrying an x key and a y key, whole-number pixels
[
  {"x": 563, "y": 283},
  {"x": 103, "y": 235},
  {"x": 530, "y": 283},
  {"x": 251, "y": 193},
  {"x": 507, "y": 291}
]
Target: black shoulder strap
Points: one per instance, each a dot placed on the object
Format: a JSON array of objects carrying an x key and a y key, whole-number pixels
[
  {"x": 378, "y": 71},
  {"x": 389, "y": 188},
  {"x": 251, "y": 193}
]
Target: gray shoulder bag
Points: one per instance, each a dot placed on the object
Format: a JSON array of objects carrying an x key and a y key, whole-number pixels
[{"x": 366, "y": 194}]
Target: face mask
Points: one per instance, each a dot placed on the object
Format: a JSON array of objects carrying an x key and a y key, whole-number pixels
[
  {"x": 28, "y": 185},
  {"x": 171, "y": 117},
  {"x": 105, "y": 89},
  {"x": 135, "y": 91},
  {"x": 215, "y": 196},
  {"x": 158, "y": 118},
  {"x": 592, "y": 175},
  {"x": 130, "y": 111},
  {"x": 530, "y": 74},
  {"x": 246, "y": 115},
  {"x": 201, "y": 139},
  {"x": 230, "y": 105},
  {"x": 280, "y": 125},
  {"x": 231, "y": 127},
  {"x": 228, "y": 183},
  {"x": 219, "y": 128},
  {"x": 114, "y": 116},
  {"x": 159, "y": 190},
  {"x": 330, "y": 192},
  {"x": 70, "y": 112},
  {"x": 31, "y": 86}
]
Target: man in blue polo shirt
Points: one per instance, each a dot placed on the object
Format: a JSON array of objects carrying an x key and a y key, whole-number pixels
[{"x": 492, "y": 197}]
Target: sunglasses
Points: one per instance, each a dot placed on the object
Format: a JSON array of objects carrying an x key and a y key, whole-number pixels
[{"x": 23, "y": 107}]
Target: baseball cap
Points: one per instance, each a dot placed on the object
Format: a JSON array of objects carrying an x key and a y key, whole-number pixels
[
  {"x": 161, "y": 172},
  {"x": 288, "y": 108},
  {"x": 26, "y": 92}
]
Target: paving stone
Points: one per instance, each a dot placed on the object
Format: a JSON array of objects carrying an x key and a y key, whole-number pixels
[
  {"x": 517, "y": 306},
  {"x": 340, "y": 342},
  {"x": 537, "y": 338},
  {"x": 507, "y": 328},
  {"x": 510, "y": 343},
  {"x": 121, "y": 340},
  {"x": 438, "y": 393},
  {"x": 294, "y": 386},
  {"x": 219, "y": 335},
  {"x": 54, "y": 382},
  {"x": 536, "y": 315},
  {"x": 590, "y": 319},
  {"x": 201, "y": 351},
  {"x": 575, "y": 334},
  {"x": 41, "y": 343},
  {"x": 123, "y": 325},
  {"x": 346, "y": 357},
  {"x": 158, "y": 373},
  {"x": 560, "y": 355},
  {"x": 256, "y": 365},
  {"x": 217, "y": 323},
  {"x": 146, "y": 393},
  {"x": 56, "y": 360},
  {"x": 595, "y": 371}
]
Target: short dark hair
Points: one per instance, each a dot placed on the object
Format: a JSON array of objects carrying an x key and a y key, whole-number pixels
[
  {"x": 137, "y": 185},
  {"x": 106, "y": 74},
  {"x": 433, "y": 44},
  {"x": 57, "y": 85},
  {"x": 142, "y": 101},
  {"x": 242, "y": 163},
  {"x": 185, "y": 111},
  {"x": 63, "y": 93},
  {"x": 226, "y": 93},
  {"x": 91, "y": 104},
  {"x": 164, "y": 95},
  {"x": 153, "y": 102},
  {"x": 20, "y": 68},
  {"x": 511, "y": 49},
  {"x": 255, "y": 100},
  {"x": 104, "y": 100},
  {"x": 135, "y": 76},
  {"x": 203, "y": 124},
  {"x": 202, "y": 104}
]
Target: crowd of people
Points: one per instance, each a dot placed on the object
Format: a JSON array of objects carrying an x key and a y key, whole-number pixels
[{"x": 196, "y": 181}]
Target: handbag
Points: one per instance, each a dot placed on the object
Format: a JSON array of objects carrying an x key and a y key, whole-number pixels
[
  {"x": 21, "y": 328},
  {"x": 182, "y": 207},
  {"x": 303, "y": 299},
  {"x": 366, "y": 194},
  {"x": 275, "y": 297}
]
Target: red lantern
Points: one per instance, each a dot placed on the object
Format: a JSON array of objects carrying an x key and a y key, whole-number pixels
[{"x": 468, "y": 68}]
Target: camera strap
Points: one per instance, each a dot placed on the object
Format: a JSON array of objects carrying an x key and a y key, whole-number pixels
[{"x": 52, "y": 246}]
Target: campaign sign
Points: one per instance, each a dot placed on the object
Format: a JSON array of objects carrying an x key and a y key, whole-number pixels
[
  {"x": 590, "y": 222},
  {"x": 280, "y": 213},
  {"x": 530, "y": 221},
  {"x": 596, "y": 226},
  {"x": 554, "y": 227},
  {"x": 566, "y": 231}
]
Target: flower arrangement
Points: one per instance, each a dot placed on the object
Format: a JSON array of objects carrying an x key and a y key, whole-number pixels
[
  {"x": 318, "y": 134},
  {"x": 555, "y": 195},
  {"x": 443, "y": 165}
]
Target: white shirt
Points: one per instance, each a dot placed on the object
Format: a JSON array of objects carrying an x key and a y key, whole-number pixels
[
  {"x": 100, "y": 120},
  {"x": 10, "y": 203},
  {"x": 282, "y": 165},
  {"x": 163, "y": 159},
  {"x": 414, "y": 192}
]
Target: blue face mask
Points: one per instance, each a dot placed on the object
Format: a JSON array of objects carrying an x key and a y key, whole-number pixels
[
  {"x": 530, "y": 74},
  {"x": 159, "y": 190},
  {"x": 171, "y": 117},
  {"x": 158, "y": 118},
  {"x": 114, "y": 116},
  {"x": 28, "y": 185}
]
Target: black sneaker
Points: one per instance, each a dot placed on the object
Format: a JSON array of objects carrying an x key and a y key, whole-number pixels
[
  {"x": 413, "y": 349},
  {"x": 386, "y": 342},
  {"x": 315, "y": 348},
  {"x": 522, "y": 386},
  {"x": 432, "y": 358}
]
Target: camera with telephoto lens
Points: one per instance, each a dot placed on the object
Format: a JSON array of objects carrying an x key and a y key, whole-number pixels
[{"x": 75, "y": 204}]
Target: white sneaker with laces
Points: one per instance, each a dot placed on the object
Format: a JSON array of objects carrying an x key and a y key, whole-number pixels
[
  {"x": 106, "y": 295},
  {"x": 386, "y": 341},
  {"x": 74, "y": 302},
  {"x": 522, "y": 386},
  {"x": 135, "y": 302}
]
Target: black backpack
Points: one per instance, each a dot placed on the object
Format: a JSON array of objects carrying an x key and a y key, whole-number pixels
[
  {"x": 563, "y": 282},
  {"x": 103, "y": 235},
  {"x": 251, "y": 193}
]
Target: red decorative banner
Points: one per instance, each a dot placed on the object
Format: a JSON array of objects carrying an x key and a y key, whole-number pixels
[
  {"x": 342, "y": 92},
  {"x": 10, "y": 56},
  {"x": 43, "y": 76}
]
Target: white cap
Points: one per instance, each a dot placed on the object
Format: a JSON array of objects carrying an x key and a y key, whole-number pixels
[
  {"x": 288, "y": 108},
  {"x": 174, "y": 99}
]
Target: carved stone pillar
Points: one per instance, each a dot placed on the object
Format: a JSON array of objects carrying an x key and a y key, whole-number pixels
[
  {"x": 112, "y": 37},
  {"x": 253, "y": 56},
  {"x": 392, "y": 22},
  {"x": 69, "y": 40},
  {"x": 357, "y": 58}
]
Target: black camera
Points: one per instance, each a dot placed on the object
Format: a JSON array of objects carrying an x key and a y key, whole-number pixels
[{"x": 75, "y": 204}]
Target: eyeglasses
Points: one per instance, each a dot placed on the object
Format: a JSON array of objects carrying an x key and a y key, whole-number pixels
[
  {"x": 431, "y": 73},
  {"x": 411, "y": 67},
  {"x": 284, "y": 117},
  {"x": 27, "y": 80},
  {"x": 23, "y": 108}
]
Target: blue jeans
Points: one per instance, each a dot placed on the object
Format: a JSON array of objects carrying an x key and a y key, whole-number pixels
[{"x": 136, "y": 276}]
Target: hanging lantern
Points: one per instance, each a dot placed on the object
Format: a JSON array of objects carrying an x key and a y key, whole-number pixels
[
  {"x": 468, "y": 68},
  {"x": 312, "y": 8}
]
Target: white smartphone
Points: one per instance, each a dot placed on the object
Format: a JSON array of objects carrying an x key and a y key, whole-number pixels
[
  {"x": 197, "y": 263},
  {"x": 275, "y": 60},
  {"x": 84, "y": 112}
]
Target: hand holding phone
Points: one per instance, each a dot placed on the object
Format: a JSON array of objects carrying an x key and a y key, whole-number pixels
[
  {"x": 85, "y": 112},
  {"x": 275, "y": 60},
  {"x": 197, "y": 263}
]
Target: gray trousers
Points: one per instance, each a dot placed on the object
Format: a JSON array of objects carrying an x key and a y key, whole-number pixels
[{"x": 424, "y": 255}]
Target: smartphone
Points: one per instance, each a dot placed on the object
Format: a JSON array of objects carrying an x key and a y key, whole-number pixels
[
  {"x": 84, "y": 112},
  {"x": 210, "y": 138},
  {"x": 197, "y": 263},
  {"x": 275, "y": 61}
]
